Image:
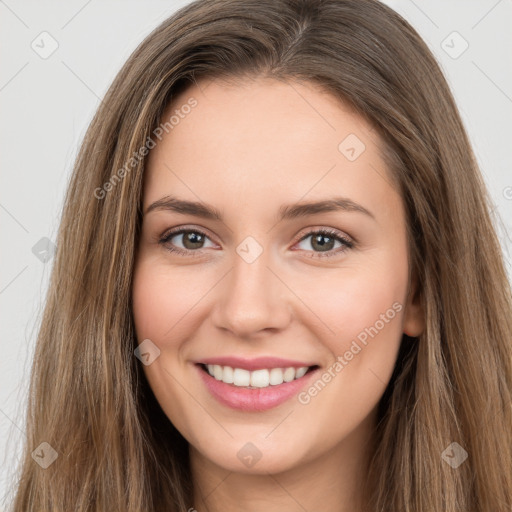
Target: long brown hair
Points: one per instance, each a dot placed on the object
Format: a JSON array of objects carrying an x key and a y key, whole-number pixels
[{"x": 89, "y": 399}]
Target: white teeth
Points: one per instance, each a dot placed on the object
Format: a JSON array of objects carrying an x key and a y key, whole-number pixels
[
  {"x": 289, "y": 374},
  {"x": 240, "y": 377},
  {"x": 227, "y": 374},
  {"x": 257, "y": 378},
  {"x": 276, "y": 376},
  {"x": 301, "y": 372},
  {"x": 217, "y": 372},
  {"x": 260, "y": 378}
]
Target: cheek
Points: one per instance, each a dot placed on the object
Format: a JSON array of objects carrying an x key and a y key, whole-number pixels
[
  {"x": 160, "y": 306},
  {"x": 149, "y": 304},
  {"x": 349, "y": 301},
  {"x": 361, "y": 309},
  {"x": 162, "y": 300},
  {"x": 365, "y": 314}
]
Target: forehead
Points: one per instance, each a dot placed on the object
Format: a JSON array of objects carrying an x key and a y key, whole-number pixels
[
  {"x": 263, "y": 136},
  {"x": 264, "y": 110}
]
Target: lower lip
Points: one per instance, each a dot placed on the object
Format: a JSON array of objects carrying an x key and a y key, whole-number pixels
[{"x": 259, "y": 399}]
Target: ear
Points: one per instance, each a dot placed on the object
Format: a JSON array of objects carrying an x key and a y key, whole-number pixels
[{"x": 414, "y": 316}]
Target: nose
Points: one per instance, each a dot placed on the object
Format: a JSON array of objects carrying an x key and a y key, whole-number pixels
[{"x": 252, "y": 299}]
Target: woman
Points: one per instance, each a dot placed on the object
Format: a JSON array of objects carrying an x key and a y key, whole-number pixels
[{"x": 277, "y": 282}]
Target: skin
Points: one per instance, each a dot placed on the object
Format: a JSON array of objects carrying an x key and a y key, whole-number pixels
[{"x": 246, "y": 149}]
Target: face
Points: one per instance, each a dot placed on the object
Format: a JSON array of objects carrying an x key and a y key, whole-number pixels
[{"x": 271, "y": 229}]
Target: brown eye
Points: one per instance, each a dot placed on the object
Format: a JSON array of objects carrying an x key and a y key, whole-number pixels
[
  {"x": 324, "y": 241},
  {"x": 192, "y": 240},
  {"x": 184, "y": 241}
]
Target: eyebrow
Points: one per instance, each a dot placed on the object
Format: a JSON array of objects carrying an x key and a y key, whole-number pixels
[{"x": 286, "y": 212}]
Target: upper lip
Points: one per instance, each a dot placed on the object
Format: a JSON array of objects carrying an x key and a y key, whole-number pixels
[{"x": 257, "y": 363}]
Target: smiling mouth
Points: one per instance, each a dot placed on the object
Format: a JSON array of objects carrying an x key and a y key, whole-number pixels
[{"x": 255, "y": 379}]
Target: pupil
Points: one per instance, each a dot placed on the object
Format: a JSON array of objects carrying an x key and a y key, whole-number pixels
[
  {"x": 194, "y": 239},
  {"x": 323, "y": 246}
]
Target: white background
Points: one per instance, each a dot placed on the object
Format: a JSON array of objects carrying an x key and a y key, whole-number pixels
[{"x": 48, "y": 103}]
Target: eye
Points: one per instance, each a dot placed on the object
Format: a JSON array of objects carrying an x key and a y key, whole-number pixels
[
  {"x": 323, "y": 243},
  {"x": 190, "y": 239}
]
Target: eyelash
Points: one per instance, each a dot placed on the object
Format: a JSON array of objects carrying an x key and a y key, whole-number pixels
[{"x": 347, "y": 244}]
